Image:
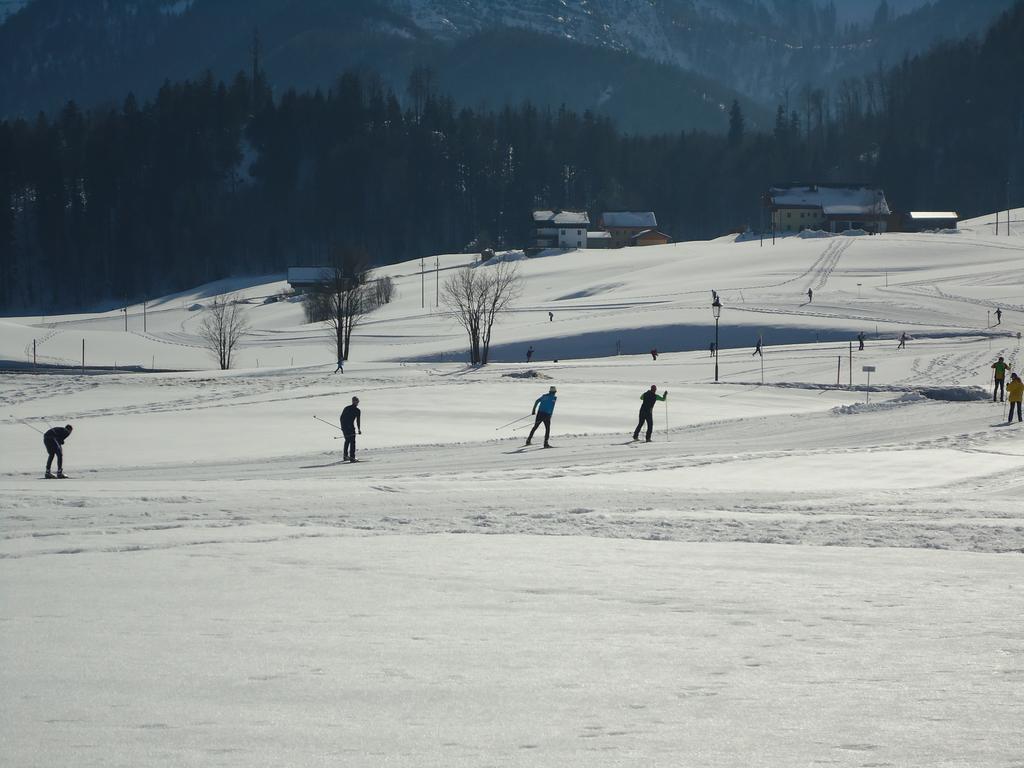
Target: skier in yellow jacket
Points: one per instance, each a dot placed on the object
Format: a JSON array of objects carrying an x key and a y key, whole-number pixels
[{"x": 1015, "y": 389}]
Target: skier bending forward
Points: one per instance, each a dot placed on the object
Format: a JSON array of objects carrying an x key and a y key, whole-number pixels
[
  {"x": 53, "y": 439},
  {"x": 648, "y": 399},
  {"x": 544, "y": 406}
]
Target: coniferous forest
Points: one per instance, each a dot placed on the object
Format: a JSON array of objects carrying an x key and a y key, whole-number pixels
[{"x": 211, "y": 179}]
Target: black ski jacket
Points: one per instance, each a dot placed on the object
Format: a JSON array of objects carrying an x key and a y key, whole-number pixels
[
  {"x": 649, "y": 399},
  {"x": 350, "y": 419},
  {"x": 60, "y": 434}
]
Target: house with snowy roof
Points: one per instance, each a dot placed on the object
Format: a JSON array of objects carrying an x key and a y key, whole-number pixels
[
  {"x": 624, "y": 226},
  {"x": 560, "y": 229},
  {"x": 830, "y": 207}
]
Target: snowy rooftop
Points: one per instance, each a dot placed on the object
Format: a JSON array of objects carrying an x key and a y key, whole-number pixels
[
  {"x": 933, "y": 215},
  {"x": 561, "y": 218},
  {"x": 838, "y": 200},
  {"x": 628, "y": 219},
  {"x": 308, "y": 275}
]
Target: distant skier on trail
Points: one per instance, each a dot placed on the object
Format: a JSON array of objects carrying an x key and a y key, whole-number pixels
[
  {"x": 999, "y": 316},
  {"x": 860, "y": 341},
  {"x": 654, "y": 354},
  {"x": 54, "y": 439},
  {"x": 711, "y": 349},
  {"x": 551, "y": 316},
  {"x": 810, "y": 295},
  {"x": 529, "y": 354},
  {"x": 903, "y": 341},
  {"x": 543, "y": 407},
  {"x": 648, "y": 399},
  {"x": 757, "y": 349},
  {"x": 999, "y": 369},
  {"x": 341, "y": 365},
  {"x": 1016, "y": 391},
  {"x": 350, "y": 421}
]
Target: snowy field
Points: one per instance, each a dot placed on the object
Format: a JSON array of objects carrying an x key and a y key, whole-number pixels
[{"x": 786, "y": 576}]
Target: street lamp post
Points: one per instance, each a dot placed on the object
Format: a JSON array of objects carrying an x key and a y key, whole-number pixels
[{"x": 716, "y": 308}]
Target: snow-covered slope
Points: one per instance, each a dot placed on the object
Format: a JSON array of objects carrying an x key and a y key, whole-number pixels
[{"x": 215, "y": 586}]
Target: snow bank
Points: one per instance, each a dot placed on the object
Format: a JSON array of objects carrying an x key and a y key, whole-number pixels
[{"x": 899, "y": 402}]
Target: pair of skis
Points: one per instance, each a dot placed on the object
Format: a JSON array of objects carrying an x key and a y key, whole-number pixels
[{"x": 337, "y": 437}]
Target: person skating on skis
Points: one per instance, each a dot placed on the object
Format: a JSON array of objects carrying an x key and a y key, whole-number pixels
[
  {"x": 647, "y": 401},
  {"x": 1015, "y": 389},
  {"x": 999, "y": 316},
  {"x": 654, "y": 354},
  {"x": 999, "y": 369},
  {"x": 860, "y": 341},
  {"x": 810, "y": 295},
  {"x": 543, "y": 407},
  {"x": 341, "y": 366},
  {"x": 350, "y": 421},
  {"x": 757, "y": 349},
  {"x": 903, "y": 340},
  {"x": 54, "y": 439},
  {"x": 529, "y": 354}
]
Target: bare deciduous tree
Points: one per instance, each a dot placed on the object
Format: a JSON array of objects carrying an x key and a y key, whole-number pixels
[
  {"x": 343, "y": 299},
  {"x": 475, "y": 295},
  {"x": 223, "y": 326}
]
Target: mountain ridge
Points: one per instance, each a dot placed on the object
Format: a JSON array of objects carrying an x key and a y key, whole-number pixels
[{"x": 761, "y": 51}]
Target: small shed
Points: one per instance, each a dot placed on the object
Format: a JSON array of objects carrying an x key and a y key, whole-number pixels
[
  {"x": 922, "y": 221},
  {"x": 599, "y": 239},
  {"x": 650, "y": 237},
  {"x": 302, "y": 278}
]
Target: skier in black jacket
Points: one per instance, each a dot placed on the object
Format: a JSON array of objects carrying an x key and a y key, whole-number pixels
[
  {"x": 53, "y": 439},
  {"x": 648, "y": 399},
  {"x": 350, "y": 420}
]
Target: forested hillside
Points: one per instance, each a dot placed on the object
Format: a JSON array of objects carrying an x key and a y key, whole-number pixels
[{"x": 211, "y": 178}]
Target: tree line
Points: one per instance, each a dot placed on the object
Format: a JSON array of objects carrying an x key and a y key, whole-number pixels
[{"x": 210, "y": 179}]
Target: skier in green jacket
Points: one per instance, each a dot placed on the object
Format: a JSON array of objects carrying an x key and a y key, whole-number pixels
[{"x": 999, "y": 369}]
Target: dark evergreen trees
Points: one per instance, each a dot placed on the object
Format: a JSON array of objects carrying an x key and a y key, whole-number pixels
[{"x": 210, "y": 179}]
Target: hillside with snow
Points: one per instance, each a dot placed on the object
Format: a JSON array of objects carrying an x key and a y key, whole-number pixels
[{"x": 794, "y": 571}]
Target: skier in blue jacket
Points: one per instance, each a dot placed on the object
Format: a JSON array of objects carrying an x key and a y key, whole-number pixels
[{"x": 544, "y": 406}]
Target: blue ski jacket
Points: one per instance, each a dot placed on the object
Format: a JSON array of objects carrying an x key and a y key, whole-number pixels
[{"x": 545, "y": 403}]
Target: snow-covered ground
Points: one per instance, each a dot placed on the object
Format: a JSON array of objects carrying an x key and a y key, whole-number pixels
[{"x": 214, "y": 587}]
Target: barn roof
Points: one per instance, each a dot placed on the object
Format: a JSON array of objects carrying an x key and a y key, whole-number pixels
[
  {"x": 629, "y": 219},
  {"x": 838, "y": 200}
]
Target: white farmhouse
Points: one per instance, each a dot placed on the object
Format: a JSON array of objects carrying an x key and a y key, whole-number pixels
[{"x": 561, "y": 229}]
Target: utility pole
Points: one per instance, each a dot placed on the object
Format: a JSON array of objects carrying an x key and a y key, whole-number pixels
[
  {"x": 437, "y": 281},
  {"x": 851, "y": 365},
  {"x": 143, "y": 315},
  {"x": 423, "y": 287}
]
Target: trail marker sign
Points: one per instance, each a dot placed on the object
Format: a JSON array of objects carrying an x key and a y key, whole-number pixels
[{"x": 868, "y": 369}]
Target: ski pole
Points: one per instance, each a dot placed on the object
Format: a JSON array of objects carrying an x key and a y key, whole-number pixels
[
  {"x": 327, "y": 422},
  {"x": 667, "y": 438},
  {"x": 521, "y": 426},
  {"x": 22, "y": 421},
  {"x": 512, "y": 422}
]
